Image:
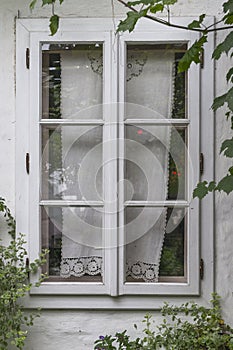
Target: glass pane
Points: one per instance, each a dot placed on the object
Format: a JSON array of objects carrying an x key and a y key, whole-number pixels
[
  {"x": 150, "y": 234},
  {"x": 173, "y": 254},
  {"x": 155, "y": 163},
  {"x": 74, "y": 239},
  {"x": 72, "y": 162},
  {"x": 154, "y": 89},
  {"x": 72, "y": 81}
]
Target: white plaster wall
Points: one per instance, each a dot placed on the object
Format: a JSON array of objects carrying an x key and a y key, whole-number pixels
[{"x": 66, "y": 330}]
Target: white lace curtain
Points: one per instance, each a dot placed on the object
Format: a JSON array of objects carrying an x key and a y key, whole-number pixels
[{"x": 149, "y": 94}]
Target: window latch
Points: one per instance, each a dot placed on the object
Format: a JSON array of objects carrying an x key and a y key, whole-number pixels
[
  {"x": 27, "y": 58},
  {"x": 201, "y": 269},
  {"x": 201, "y": 163},
  {"x": 27, "y": 163}
]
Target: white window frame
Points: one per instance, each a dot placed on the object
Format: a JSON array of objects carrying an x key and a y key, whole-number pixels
[{"x": 30, "y": 34}]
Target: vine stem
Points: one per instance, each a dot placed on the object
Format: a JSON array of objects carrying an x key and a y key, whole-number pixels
[{"x": 173, "y": 25}]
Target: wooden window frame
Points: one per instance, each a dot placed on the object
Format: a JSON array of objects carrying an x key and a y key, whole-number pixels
[{"x": 30, "y": 34}]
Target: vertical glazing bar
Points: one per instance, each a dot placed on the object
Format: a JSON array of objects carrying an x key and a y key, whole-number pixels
[
  {"x": 122, "y": 72},
  {"x": 110, "y": 165}
]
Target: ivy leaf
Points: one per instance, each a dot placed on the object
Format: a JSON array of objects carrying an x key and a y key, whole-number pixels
[
  {"x": 54, "y": 24},
  {"x": 47, "y": 2},
  {"x": 228, "y": 19},
  {"x": 225, "y": 98},
  {"x": 197, "y": 24},
  {"x": 231, "y": 170},
  {"x": 229, "y": 75},
  {"x": 203, "y": 189},
  {"x": 141, "y": 2},
  {"x": 226, "y": 184},
  {"x": 228, "y": 6},
  {"x": 227, "y": 148},
  {"x": 157, "y": 8},
  {"x": 192, "y": 55},
  {"x": 32, "y": 4},
  {"x": 61, "y": 1},
  {"x": 131, "y": 20},
  {"x": 169, "y": 2},
  {"x": 225, "y": 46}
]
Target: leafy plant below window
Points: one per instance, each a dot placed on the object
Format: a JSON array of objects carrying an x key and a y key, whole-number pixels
[
  {"x": 14, "y": 285},
  {"x": 186, "y": 327}
]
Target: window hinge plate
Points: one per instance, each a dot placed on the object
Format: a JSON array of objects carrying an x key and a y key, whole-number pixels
[
  {"x": 201, "y": 163},
  {"x": 201, "y": 269},
  {"x": 27, "y": 58},
  {"x": 27, "y": 163},
  {"x": 202, "y": 59},
  {"x": 27, "y": 267}
]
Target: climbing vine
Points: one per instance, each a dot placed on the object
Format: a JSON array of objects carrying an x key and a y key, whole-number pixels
[{"x": 151, "y": 9}]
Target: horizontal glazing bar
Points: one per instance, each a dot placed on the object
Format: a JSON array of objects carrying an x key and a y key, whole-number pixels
[
  {"x": 71, "y": 203},
  {"x": 176, "y": 204},
  {"x": 157, "y": 121},
  {"x": 71, "y": 122}
]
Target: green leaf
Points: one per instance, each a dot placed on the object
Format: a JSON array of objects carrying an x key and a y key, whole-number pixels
[
  {"x": 54, "y": 24},
  {"x": 225, "y": 98},
  {"x": 226, "y": 184},
  {"x": 228, "y": 19},
  {"x": 141, "y": 2},
  {"x": 197, "y": 24},
  {"x": 61, "y": 1},
  {"x": 225, "y": 46},
  {"x": 169, "y": 2},
  {"x": 157, "y": 8},
  {"x": 212, "y": 186},
  {"x": 231, "y": 170},
  {"x": 227, "y": 148},
  {"x": 192, "y": 55},
  {"x": 228, "y": 6},
  {"x": 201, "y": 190},
  {"x": 219, "y": 102},
  {"x": 32, "y": 4},
  {"x": 131, "y": 20},
  {"x": 229, "y": 75},
  {"x": 47, "y": 2}
]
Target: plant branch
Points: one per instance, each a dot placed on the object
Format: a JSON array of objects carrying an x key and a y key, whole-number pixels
[{"x": 173, "y": 25}]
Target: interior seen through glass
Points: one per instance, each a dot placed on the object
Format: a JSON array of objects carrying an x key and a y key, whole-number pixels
[{"x": 72, "y": 160}]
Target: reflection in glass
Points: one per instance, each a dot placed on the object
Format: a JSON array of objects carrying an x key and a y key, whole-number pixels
[
  {"x": 173, "y": 253},
  {"x": 74, "y": 239},
  {"x": 155, "y": 243},
  {"x": 72, "y": 81},
  {"x": 72, "y": 162},
  {"x": 155, "y": 162},
  {"x": 154, "y": 89}
]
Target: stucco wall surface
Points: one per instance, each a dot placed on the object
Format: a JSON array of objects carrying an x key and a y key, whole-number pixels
[{"x": 66, "y": 330}]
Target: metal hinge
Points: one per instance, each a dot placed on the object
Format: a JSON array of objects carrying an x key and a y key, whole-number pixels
[
  {"x": 27, "y": 267},
  {"x": 27, "y": 163},
  {"x": 27, "y": 58},
  {"x": 202, "y": 59},
  {"x": 201, "y": 269},
  {"x": 201, "y": 163}
]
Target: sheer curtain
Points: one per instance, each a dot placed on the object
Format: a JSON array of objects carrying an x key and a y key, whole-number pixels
[
  {"x": 81, "y": 89},
  {"x": 149, "y": 84},
  {"x": 149, "y": 91}
]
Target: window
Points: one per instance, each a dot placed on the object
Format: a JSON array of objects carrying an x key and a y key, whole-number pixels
[{"x": 114, "y": 145}]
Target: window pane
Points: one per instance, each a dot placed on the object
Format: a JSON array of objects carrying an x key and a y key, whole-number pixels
[
  {"x": 72, "y": 162},
  {"x": 72, "y": 81},
  {"x": 154, "y": 89},
  {"x": 150, "y": 234},
  {"x": 74, "y": 239},
  {"x": 155, "y": 165}
]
